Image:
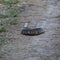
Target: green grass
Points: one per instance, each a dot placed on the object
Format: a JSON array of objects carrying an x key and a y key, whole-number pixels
[
  {"x": 3, "y": 13},
  {"x": 14, "y": 22},
  {"x": 3, "y": 16},
  {"x": 11, "y": 12},
  {"x": 14, "y": 11},
  {"x": 1, "y": 41},
  {"x": 45, "y": 58},
  {"x": 58, "y": 16},
  {"x": 9, "y": 1},
  {"x": 2, "y": 28}
]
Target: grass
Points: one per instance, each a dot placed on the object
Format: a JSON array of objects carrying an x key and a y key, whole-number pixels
[
  {"x": 1, "y": 41},
  {"x": 45, "y": 58},
  {"x": 3, "y": 16},
  {"x": 9, "y": 1},
  {"x": 2, "y": 28},
  {"x": 14, "y": 22},
  {"x": 11, "y": 12},
  {"x": 58, "y": 16},
  {"x": 3, "y": 13},
  {"x": 14, "y": 11}
]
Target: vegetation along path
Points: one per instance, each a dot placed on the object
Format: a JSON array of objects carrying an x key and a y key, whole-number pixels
[{"x": 41, "y": 13}]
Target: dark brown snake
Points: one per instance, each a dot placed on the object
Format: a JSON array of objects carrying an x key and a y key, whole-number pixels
[{"x": 32, "y": 32}]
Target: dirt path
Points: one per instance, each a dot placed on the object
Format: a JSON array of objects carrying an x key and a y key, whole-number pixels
[{"x": 42, "y": 47}]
